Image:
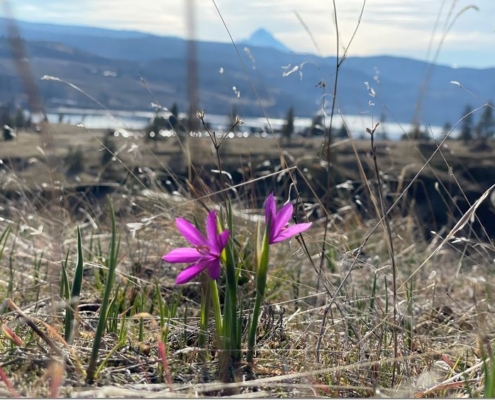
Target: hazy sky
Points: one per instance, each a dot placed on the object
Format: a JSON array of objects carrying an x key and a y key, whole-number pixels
[{"x": 393, "y": 27}]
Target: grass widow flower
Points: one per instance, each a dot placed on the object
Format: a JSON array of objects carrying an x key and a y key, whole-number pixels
[
  {"x": 205, "y": 253},
  {"x": 277, "y": 230},
  {"x": 278, "y": 221}
]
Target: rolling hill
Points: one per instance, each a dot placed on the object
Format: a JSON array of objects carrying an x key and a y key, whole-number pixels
[{"x": 109, "y": 64}]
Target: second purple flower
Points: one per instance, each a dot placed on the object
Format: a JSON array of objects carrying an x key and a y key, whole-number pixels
[{"x": 279, "y": 221}]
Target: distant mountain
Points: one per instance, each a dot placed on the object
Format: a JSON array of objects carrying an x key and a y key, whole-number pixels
[
  {"x": 43, "y": 31},
  {"x": 263, "y": 38},
  {"x": 108, "y": 66}
]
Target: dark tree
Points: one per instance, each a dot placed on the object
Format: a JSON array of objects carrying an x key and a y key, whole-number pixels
[
  {"x": 6, "y": 122},
  {"x": 317, "y": 126},
  {"x": 5, "y": 116},
  {"x": 466, "y": 133},
  {"x": 288, "y": 128},
  {"x": 447, "y": 127},
  {"x": 8, "y": 133},
  {"x": 20, "y": 119},
  {"x": 342, "y": 132},
  {"x": 74, "y": 160},
  {"x": 486, "y": 125},
  {"x": 108, "y": 150},
  {"x": 417, "y": 133},
  {"x": 153, "y": 129},
  {"x": 382, "y": 132},
  {"x": 174, "y": 117}
]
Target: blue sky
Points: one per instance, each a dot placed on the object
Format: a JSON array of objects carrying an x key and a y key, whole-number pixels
[{"x": 393, "y": 27}]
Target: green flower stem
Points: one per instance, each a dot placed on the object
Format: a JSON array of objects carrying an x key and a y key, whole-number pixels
[
  {"x": 230, "y": 327},
  {"x": 205, "y": 312},
  {"x": 231, "y": 321},
  {"x": 216, "y": 307},
  {"x": 73, "y": 298},
  {"x": 260, "y": 294}
]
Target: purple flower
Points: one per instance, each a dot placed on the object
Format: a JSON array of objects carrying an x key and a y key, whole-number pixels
[
  {"x": 205, "y": 253},
  {"x": 279, "y": 229}
]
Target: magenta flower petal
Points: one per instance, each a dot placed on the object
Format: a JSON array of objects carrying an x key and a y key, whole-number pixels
[
  {"x": 278, "y": 222},
  {"x": 223, "y": 238},
  {"x": 206, "y": 251},
  {"x": 282, "y": 218},
  {"x": 190, "y": 232},
  {"x": 190, "y": 273},
  {"x": 183, "y": 255},
  {"x": 291, "y": 231},
  {"x": 270, "y": 208},
  {"x": 214, "y": 269},
  {"x": 212, "y": 231}
]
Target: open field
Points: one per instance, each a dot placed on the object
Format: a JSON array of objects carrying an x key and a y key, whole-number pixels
[
  {"x": 27, "y": 155},
  {"x": 331, "y": 324}
]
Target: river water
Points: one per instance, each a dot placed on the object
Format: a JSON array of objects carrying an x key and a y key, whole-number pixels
[{"x": 115, "y": 119}]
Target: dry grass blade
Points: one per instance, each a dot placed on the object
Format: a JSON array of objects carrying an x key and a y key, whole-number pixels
[
  {"x": 453, "y": 380},
  {"x": 469, "y": 214},
  {"x": 11, "y": 335},
  {"x": 8, "y": 383},
  {"x": 444, "y": 386},
  {"x": 122, "y": 393},
  {"x": 23, "y": 68},
  {"x": 53, "y": 331},
  {"x": 115, "y": 392},
  {"x": 33, "y": 326},
  {"x": 162, "y": 348},
  {"x": 56, "y": 374}
]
